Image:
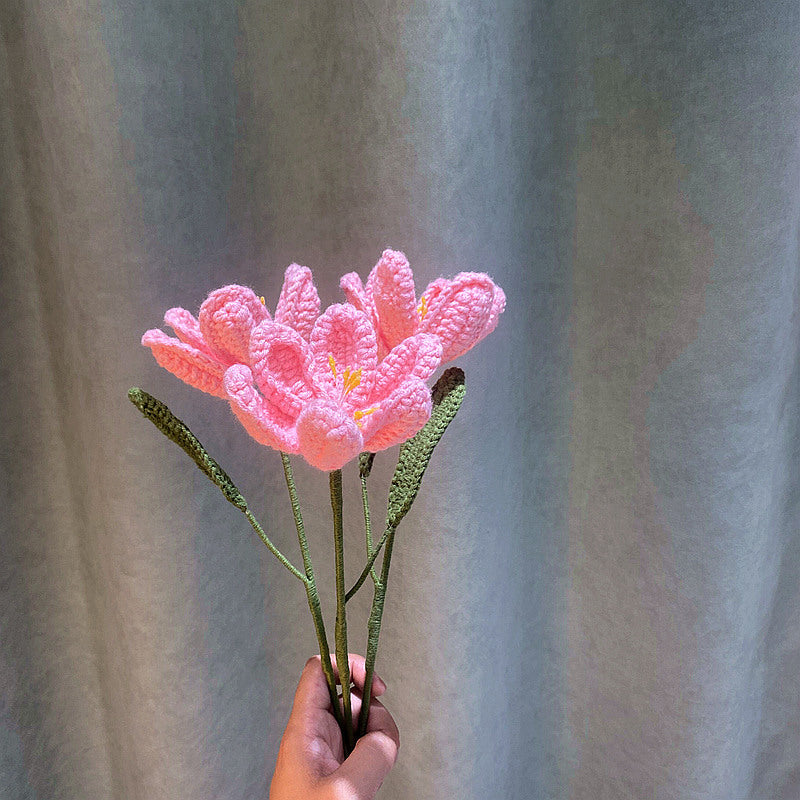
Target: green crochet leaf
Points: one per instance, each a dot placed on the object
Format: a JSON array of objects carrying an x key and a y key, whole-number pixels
[
  {"x": 173, "y": 428},
  {"x": 415, "y": 454}
]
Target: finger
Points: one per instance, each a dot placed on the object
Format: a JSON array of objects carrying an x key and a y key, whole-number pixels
[
  {"x": 380, "y": 720},
  {"x": 312, "y": 693},
  {"x": 358, "y": 674},
  {"x": 366, "y": 767}
]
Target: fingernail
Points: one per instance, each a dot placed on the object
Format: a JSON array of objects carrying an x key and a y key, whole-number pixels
[{"x": 380, "y": 685}]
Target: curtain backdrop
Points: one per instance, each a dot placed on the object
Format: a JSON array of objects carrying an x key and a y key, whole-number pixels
[{"x": 596, "y": 595}]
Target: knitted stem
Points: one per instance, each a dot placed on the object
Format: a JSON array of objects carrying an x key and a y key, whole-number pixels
[
  {"x": 274, "y": 550},
  {"x": 368, "y": 569},
  {"x": 342, "y": 656},
  {"x": 364, "y": 474},
  {"x": 176, "y": 430},
  {"x": 373, "y": 632},
  {"x": 415, "y": 455},
  {"x": 312, "y": 594}
]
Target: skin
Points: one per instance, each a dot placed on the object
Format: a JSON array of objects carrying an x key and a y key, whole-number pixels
[{"x": 311, "y": 764}]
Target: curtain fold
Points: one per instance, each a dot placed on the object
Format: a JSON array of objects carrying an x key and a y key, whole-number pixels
[{"x": 596, "y": 593}]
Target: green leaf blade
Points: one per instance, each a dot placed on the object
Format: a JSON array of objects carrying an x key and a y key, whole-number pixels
[
  {"x": 176, "y": 430},
  {"x": 415, "y": 454}
]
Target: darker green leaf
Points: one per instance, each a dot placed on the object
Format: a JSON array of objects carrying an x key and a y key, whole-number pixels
[
  {"x": 416, "y": 452},
  {"x": 173, "y": 428}
]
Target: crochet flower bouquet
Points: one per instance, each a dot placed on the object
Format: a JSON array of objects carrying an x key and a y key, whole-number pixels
[{"x": 331, "y": 386}]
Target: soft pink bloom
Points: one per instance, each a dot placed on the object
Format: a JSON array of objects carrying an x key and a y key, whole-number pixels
[
  {"x": 220, "y": 336},
  {"x": 460, "y": 311},
  {"x": 328, "y": 397}
]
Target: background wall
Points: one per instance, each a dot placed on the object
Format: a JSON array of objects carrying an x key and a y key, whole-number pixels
[{"x": 596, "y": 594}]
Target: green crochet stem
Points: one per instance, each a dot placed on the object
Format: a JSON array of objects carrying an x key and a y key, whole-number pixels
[
  {"x": 365, "y": 461},
  {"x": 369, "y": 568},
  {"x": 342, "y": 655},
  {"x": 415, "y": 456},
  {"x": 313, "y": 595},
  {"x": 175, "y": 429}
]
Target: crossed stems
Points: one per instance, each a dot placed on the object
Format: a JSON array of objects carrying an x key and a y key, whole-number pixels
[{"x": 343, "y": 712}]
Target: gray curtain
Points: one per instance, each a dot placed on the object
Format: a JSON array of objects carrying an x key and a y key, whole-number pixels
[{"x": 596, "y": 595}]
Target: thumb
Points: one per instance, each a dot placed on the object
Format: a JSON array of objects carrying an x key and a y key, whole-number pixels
[{"x": 365, "y": 768}]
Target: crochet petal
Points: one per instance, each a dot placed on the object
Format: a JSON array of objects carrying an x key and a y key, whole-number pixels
[
  {"x": 186, "y": 362},
  {"x": 298, "y": 305},
  {"x": 433, "y": 290},
  {"x": 498, "y": 306},
  {"x": 354, "y": 291},
  {"x": 265, "y": 422},
  {"x": 417, "y": 356},
  {"x": 281, "y": 364},
  {"x": 399, "y": 417},
  {"x": 227, "y": 316},
  {"x": 346, "y": 335},
  {"x": 458, "y": 313},
  {"x": 391, "y": 284},
  {"x": 328, "y": 438},
  {"x": 187, "y": 328}
]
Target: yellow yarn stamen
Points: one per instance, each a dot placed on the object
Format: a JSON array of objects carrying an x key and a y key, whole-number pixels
[
  {"x": 349, "y": 379},
  {"x": 359, "y": 415},
  {"x": 422, "y": 308},
  {"x": 263, "y": 301}
]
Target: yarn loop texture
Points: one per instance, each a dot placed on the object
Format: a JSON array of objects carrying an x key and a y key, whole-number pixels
[
  {"x": 329, "y": 385},
  {"x": 459, "y": 311}
]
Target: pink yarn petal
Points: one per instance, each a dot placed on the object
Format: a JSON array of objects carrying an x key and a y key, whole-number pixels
[
  {"x": 187, "y": 363},
  {"x": 399, "y": 417},
  {"x": 391, "y": 284},
  {"x": 298, "y": 305},
  {"x": 265, "y": 422},
  {"x": 354, "y": 291},
  {"x": 281, "y": 364},
  {"x": 459, "y": 312},
  {"x": 433, "y": 290},
  {"x": 187, "y": 328},
  {"x": 327, "y": 436},
  {"x": 227, "y": 316},
  {"x": 498, "y": 306},
  {"x": 417, "y": 356},
  {"x": 346, "y": 335}
]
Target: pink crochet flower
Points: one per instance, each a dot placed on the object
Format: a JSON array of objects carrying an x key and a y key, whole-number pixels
[
  {"x": 220, "y": 336},
  {"x": 328, "y": 398},
  {"x": 460, "y": 311}
]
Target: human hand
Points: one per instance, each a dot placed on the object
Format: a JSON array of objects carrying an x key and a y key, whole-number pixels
[{"x": 311, "y": 763}]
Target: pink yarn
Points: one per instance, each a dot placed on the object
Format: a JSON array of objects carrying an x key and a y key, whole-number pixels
[
  {"x": 329, "y": 398},
  {"x": 333, "y": 385},
  {"x": 459, "y": 311},
  {"x": 220, "y": 337}
]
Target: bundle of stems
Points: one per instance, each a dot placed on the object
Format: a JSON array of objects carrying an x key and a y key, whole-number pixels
[{"x": 415, "y": 455}]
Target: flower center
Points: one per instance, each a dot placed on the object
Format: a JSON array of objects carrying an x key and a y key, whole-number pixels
[{"x": 350, "y": 379}]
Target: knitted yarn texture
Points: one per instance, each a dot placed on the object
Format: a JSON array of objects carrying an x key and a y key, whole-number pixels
[
  {"x": 220, "y": 336},
  {"x": 459, "y": 311},
  {"x": 330, "y": 399},
  {"x": 176, "y": 430},
  {"x": 329, "y": 386}
]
